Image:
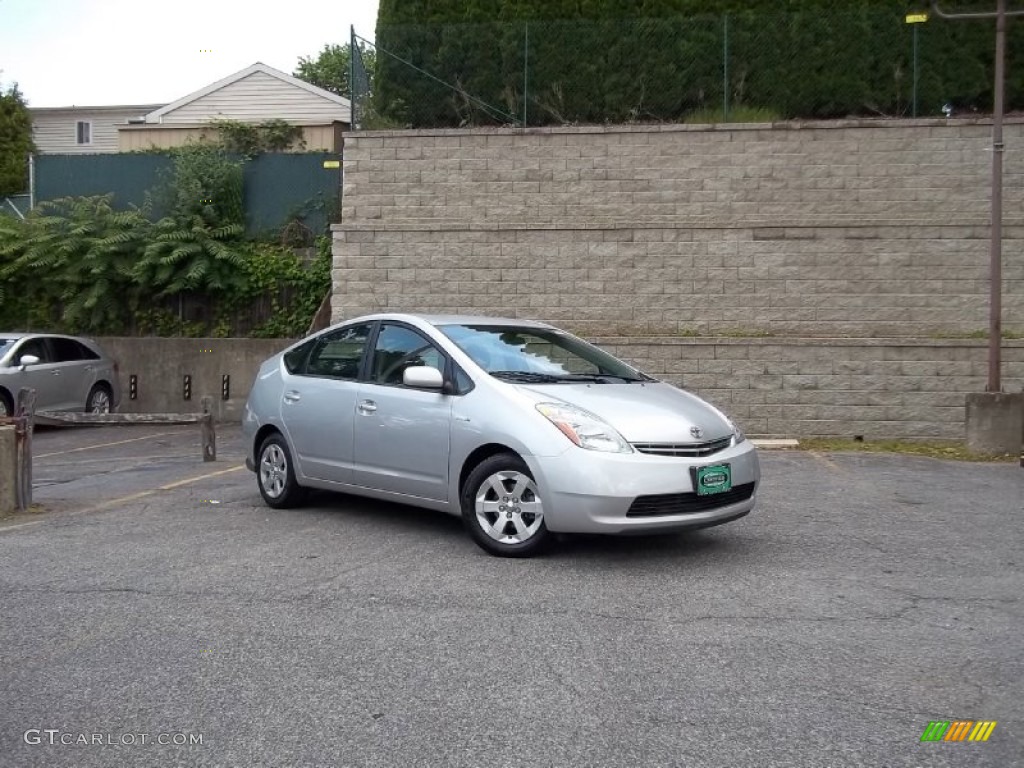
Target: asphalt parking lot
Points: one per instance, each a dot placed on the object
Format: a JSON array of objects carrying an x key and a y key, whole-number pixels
[{"x": 157, "y": 600}]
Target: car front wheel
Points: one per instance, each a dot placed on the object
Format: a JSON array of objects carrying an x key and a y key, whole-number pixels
[
  {"x": 503, "y": 509},
  {"x": 275, "y": 474}
]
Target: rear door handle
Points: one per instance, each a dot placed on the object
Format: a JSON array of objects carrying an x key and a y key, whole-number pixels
[
  {"x": 292, "y": 397},
  {"x": 367, "y": 406},
  {"x": 55, "y": 373}
]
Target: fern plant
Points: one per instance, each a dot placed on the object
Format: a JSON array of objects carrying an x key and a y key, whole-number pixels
[
  {"x": 188, "y": 255},
  {"x": 78, "y": 254}
]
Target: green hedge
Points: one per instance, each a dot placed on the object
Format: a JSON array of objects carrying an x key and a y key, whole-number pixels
[{"x": 595, "y": 62}]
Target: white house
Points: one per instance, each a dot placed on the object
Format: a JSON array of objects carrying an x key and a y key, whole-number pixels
[
  {"x": 255, "y": 94},
  {"x": 83, "y": 130}
]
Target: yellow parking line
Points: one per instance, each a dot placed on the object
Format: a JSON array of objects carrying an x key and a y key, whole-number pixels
[
  {"x": 103, "y": 445},
  {"x": 135, "y": 496},
  {"x": 5, "y": 528},
  {"x": 144, "y": 494}
]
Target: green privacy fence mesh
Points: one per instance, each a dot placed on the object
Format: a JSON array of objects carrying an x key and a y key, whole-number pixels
[
  {"x": 737, "y": 67},
  {"x": 278, "y": 188}
]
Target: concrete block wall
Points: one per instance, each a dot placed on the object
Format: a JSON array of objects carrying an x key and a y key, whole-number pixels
[
  {"x": 789, "y": 235},
  {"x": 832, "y": 229},
  {"x": 785, "y": 387}
]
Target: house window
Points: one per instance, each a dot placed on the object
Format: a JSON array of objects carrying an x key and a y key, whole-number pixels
[{"x": 83, "y": 132}]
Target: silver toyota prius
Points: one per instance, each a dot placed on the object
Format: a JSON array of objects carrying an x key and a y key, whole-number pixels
[{"x": 520, "y": 428}]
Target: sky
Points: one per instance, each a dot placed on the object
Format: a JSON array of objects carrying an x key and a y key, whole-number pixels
[{"x": 106, "y": 52}]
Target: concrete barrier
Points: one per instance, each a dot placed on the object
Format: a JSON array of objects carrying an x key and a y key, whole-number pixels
[{"x": 223, "y": 369}]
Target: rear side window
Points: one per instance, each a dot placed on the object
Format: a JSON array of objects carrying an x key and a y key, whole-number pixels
[
  {"x": 68, "y": 350},
  {"x": 339, "y": 354},
  {"x": 295, "y": 361}
]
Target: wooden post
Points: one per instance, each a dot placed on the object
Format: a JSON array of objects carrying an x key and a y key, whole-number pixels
[
  {"x": 24, "y": 410},
  {"x": 209, "y": 437}
]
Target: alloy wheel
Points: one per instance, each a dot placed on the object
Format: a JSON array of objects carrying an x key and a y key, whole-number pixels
[{"x": 508, "y": 507}]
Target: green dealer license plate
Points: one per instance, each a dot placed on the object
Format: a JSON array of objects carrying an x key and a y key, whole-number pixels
[{"x": 713, "y": 479}]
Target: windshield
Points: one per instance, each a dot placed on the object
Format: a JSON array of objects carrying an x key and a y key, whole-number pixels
[
  {"x": 5, "y": 345},
  {"x": 538, "y": 355}
]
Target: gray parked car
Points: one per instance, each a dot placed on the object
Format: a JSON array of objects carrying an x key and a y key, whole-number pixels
[
  {"x": 522, "y": 429},
  {"x": 67, "y": 373}
]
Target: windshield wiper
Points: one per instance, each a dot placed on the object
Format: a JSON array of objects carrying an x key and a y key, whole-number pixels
[
  {"x": 528, "y": 376},
  {"x": 561, "y": 378},
  {"x": 600, "y": 378}
]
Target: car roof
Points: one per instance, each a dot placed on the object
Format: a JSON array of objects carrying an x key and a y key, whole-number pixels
[
  {"x": 15, "y": 335},
  {"x": 439, "y": 320}
]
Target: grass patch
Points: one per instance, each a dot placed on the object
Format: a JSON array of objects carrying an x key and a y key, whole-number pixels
[
  {"x": 737, "y": 114},
  {"x": 935, "y": 449}
]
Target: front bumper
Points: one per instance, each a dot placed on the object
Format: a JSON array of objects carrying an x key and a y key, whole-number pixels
[{"x": 591, "y": 492}]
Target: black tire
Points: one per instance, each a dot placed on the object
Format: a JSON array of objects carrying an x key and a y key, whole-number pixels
[
  {"x": 275, "y": 474},
  {"x": 6, "y": 405},
  {"x": 100, "y": 399},
  {"x": 509, "y": 523}
]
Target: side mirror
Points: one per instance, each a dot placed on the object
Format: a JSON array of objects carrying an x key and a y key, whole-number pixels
[
  {"x": 423, "y": 377},
  {"x": 28, "y": 360}
]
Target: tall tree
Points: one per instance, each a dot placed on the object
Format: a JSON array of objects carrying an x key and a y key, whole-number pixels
[
  {"x": 15, "y": 141},
  {"x": 331, "y": 68}
]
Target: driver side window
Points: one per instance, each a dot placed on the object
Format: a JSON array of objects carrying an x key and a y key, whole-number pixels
[
  {"x": 399, "y": 348},
  {"x": 35, "y": 347}
]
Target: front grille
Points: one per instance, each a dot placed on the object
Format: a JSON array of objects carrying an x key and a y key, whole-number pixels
[
  {"x": 687, "y": 503},
  {"x": 685, "y": 449}
]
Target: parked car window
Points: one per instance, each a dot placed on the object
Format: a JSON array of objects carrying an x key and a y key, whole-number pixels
[
  {"x": 5, "y": 345},
  {"x": 398, "y": 348},
  {"x": 338, "y": 354},
  {"x": 35, "y": 347},
  {"x": 295, "y": 360},
  {"x": 87, "y": 353},
  {"x": 66, "y": 350}
]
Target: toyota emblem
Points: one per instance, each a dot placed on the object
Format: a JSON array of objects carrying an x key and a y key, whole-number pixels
[{"x": 697, "y": 432}]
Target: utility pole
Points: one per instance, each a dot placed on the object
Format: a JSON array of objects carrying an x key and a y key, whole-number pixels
[{"x": 995, "y": 325}]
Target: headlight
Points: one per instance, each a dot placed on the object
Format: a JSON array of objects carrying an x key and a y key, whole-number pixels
[
  {"x": 737, "y": 435},
  {"x": 584, "y": 428}
]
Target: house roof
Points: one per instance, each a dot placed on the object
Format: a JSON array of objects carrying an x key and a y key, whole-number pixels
[
  {"x": 141, "y": 109},
  {"x": 156, "y": 115}
]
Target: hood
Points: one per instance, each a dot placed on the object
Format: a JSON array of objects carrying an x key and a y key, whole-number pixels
[{"x": 652, "y": 412}]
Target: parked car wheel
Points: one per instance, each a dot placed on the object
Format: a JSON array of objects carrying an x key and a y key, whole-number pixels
[
  {"x": 6, "y": 405},
  {"x": 503, "y": 509},
  {"x": 99, "y": 399},
  {"x": 275, "y": 475}
]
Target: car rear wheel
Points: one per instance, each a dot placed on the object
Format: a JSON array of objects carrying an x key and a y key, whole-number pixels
[
  {"x": 99, "y": 399},
  {"x": 6, "y": 405},
  {"x": 502, "y": 507},
  {"x": 276, "y": 476}
]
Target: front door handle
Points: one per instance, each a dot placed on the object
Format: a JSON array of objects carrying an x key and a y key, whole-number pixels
[
  {"x": 292, "y": 397},
  {"x": 367, "y": 406},
  {"x": 55, "y": 373}
]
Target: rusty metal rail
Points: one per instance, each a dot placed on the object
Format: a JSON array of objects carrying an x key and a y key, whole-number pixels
[
  {"x": 204, "y": 419},
  {"x": 26, "y": 418}
]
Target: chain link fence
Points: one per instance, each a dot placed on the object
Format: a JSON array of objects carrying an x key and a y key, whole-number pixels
[{"x": 743, "y": 67}]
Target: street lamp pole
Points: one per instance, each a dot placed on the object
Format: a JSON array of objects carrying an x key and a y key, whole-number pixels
[{"x": 995, "y": 326}]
